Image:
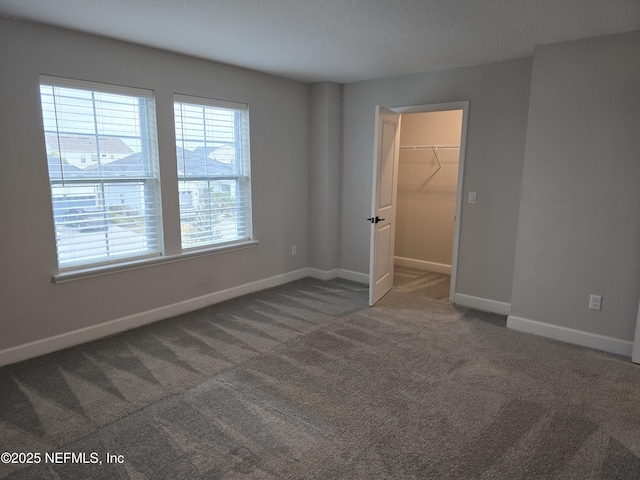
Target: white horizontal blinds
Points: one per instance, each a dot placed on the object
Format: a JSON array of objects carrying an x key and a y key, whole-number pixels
[
  {"x": 212, "y": 145},
  {"x": 101, "y": 147}
]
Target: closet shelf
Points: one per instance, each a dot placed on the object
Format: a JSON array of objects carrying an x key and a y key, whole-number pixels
[
  {"x": 433, "y": 148},
  {"x": 426, "y": 147}
]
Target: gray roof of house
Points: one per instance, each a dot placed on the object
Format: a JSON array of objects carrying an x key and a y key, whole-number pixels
[
  {"x": 57, "y": 168},
  {"x": 86, "y": 144}
]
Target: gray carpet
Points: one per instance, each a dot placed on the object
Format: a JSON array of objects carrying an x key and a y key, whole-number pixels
[
  {"x": 303, "y": 381},
  {"x": 419, "y": 282}
]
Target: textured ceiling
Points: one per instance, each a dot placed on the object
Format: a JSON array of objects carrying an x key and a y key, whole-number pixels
[{"x": 339, "y": 40}]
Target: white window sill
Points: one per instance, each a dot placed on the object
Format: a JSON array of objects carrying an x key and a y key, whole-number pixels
[{"x": 80, "y": 274}]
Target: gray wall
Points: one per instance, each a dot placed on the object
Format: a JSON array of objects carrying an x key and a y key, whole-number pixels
[
  {"x": 426, "y": 193},
  {"x": 31, "y": 306},
  {"x": 325, "y": 145},
  {"x": 579, "y": 229},
  {"x": 499, "y": 95}
]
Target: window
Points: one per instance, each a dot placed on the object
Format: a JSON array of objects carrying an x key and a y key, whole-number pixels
[
  {"x": 212, "y": 145},
  {"x": 107, "y": 209},
  {"x": 103, "y": 164}
]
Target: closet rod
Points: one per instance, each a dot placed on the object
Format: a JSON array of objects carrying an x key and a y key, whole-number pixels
[{"x": 426, "y": 147}]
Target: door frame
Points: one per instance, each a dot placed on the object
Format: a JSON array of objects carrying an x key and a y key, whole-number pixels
[
  {"x": 440, "y": 107},
  {"x": 635, "y": 352}
]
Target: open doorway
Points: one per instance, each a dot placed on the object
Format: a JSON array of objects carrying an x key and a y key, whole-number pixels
[
  {"x": 429, "y": 157},
  {"x": 385, "y": 187}
]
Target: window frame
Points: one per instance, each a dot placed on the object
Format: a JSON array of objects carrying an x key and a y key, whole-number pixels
[
  {"x": 242, "y": 164},
  {"x": 64, "y": 190},
  {"x": 164, "y": 254}
]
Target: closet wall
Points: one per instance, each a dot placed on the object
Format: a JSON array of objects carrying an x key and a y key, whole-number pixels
[{"x": 427, "y": 185}]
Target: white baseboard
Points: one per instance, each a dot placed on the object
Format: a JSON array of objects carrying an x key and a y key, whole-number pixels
[
  {"x": 94, "y": 332},
  {"x": 569, "y": 335},
  {"x": 353, "y": 276},
  {"x": 484, "y": 304},
  {"x": 323, "y": 274},
  {"x": 423, "y": 265},
  {"x": 338, "y": 273}
]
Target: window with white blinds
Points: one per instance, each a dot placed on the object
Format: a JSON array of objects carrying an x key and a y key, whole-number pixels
[
  {"x": 214, "y": 182},
  {"x": 102, "y": 157}
]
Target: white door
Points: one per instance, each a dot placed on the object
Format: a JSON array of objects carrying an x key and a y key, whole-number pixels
[{"x": 385, "y": 171}]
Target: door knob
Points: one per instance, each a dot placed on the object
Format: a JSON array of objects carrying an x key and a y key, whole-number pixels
[{"x": 376, "y": 219}]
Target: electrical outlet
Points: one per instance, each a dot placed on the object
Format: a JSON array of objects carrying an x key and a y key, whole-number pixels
[
  {"x": 595, "y": 302},
  {"x": 294, "y": 251}
]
